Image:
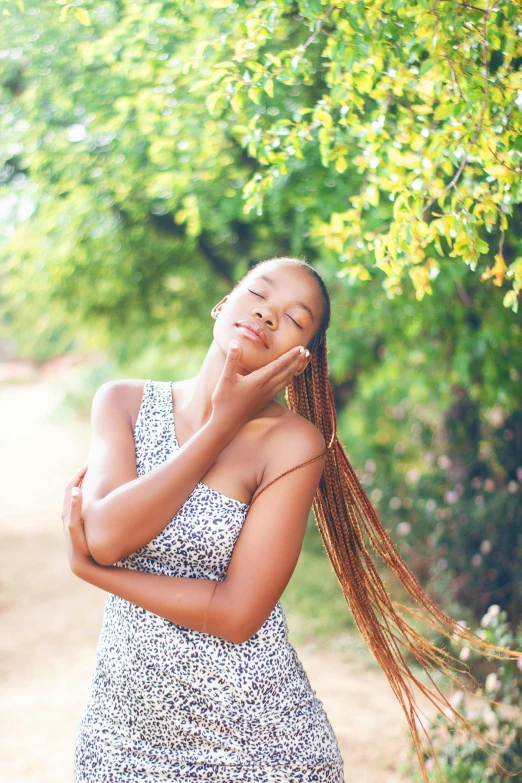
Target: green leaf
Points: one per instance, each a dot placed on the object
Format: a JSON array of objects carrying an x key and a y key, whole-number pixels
[
  {"x": 426, "y": 66},
  {"x": 444, "y": 110}
]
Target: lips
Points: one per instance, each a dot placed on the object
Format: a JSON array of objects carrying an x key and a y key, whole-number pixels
[{"x": 255, "y": 329}]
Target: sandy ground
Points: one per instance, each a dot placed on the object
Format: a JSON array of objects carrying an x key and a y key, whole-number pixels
[{"x": 51, "y": 620}]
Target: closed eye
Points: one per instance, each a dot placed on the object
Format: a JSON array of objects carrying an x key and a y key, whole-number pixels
[{"x": 262, "y": 297}]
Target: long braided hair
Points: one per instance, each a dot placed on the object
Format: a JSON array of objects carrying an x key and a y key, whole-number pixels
[{"x": 344, "y": 515}]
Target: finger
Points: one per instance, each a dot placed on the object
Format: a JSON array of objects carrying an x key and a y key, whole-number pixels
[
  {"x": 74, "y": 482},
  {"x": 284, "y": 373},
  {"x": 75, "y": 506},
  {"x": 77, "y": 476},
  {"x": 231, "y": 360},
  {"x": 72, "y": 516},
  {"x": 279, "y": 366}
]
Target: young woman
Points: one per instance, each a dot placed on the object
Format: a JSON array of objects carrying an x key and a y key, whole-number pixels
[{"x": 191, "y": 515}]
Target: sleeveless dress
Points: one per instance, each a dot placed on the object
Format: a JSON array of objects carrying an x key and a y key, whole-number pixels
[{"x": 168, "y": 703}]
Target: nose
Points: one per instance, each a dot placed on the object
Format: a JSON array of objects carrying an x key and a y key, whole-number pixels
[{"x": 268, "y": 317}]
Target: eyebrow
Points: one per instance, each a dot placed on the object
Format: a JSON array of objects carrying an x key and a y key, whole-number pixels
[{"x": 301, "y": 304}]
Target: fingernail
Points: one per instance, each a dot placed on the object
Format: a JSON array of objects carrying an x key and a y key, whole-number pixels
[
  {"x": 301, "y": 349},
  {"x": 75, "y": 491},
  {"x": 307, "y": 353},
  {"x": 233, "y": 344}
]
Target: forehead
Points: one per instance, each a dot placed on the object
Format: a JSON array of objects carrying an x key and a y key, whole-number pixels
[
  {"x": 294, "y": 283},
  {"x": 286, "y": 279}
]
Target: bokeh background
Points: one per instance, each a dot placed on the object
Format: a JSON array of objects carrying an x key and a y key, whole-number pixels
[{"x": 150, "y": 153}]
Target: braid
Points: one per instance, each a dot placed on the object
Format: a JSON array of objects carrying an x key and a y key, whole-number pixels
[{"x": 344, "y": 515}]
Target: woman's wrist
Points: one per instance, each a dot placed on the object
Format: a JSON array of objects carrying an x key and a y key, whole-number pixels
[
  {"x": 83, "y": 567},
  {"x": 225, "y": 425}
]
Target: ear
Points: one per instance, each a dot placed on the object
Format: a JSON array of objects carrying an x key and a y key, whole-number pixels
[{"x": 217, "y": 308}]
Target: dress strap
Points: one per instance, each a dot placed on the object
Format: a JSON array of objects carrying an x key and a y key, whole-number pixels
[{"x": 144, "y": 405}]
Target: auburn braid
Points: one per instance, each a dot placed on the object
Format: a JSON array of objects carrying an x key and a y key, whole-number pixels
[{"x": 344, "y": 514}]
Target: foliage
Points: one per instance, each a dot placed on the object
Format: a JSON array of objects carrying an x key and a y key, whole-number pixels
[
  {"x": 139, "y": 138},
  {"x": 410, "y": 103},
  {"x": 455, "y": 515},
  {"x": 431, "y": 421},
  {"x": 461, "y": 759}
]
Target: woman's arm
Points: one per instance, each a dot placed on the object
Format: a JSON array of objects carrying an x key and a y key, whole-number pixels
[
  {"x": 263, "y": 560},
  {"x": 123, "y": 512}
]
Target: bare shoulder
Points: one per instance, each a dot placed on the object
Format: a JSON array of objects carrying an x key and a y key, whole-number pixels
[
  {"x": 123, "y": 395},
  {"x": 292, "y": 439},
  {"x": 300, "y": 431}
]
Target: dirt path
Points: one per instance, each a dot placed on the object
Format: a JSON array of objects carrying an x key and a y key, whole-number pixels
[{"x": 54, "y": 619}]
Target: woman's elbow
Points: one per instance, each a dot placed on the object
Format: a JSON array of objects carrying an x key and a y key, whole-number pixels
[
  {"x": 101, "y": 552},
  {"x": 103, "y": 556},
  {"x": 100, "y": 549},
  {"x": 243, "y": 628}
]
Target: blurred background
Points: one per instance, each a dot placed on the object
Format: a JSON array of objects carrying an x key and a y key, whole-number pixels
[{"x": 150, "y": 153}]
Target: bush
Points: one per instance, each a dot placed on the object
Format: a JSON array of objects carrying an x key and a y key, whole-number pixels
[{"x": 460, "y": 758}]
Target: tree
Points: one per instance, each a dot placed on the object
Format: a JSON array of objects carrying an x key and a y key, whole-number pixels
[
  {"x": 151, "y": 151},
  {"x": 416, "y": 104}
]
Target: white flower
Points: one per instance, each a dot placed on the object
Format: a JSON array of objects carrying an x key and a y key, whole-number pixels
[
  {"x": 464, "y": 654},
  {"x": 492, "y": 682},
  {"x": 459, "y": 626},
  {"x": 456, "y": 699},
  {"x": 451, "y": 496},
  {"x": 489, "y": 716},
  {"x": 412, "y": 476},
  {"x": 493, "y": 611}
]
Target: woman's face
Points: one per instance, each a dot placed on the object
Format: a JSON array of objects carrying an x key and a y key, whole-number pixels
[{"x": 283, "y": 302}]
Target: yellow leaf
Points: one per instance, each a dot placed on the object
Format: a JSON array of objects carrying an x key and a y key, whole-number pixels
[
  {"x": 341, "y": 164},
  {"x": 269, "y": 87},
  {"x": 497, "y": 271},
  {"x": 236, "y": 102},
  {"x": 421, "y": 281},
  {"x": 496, "y": 170},
  {"x": 211, "y": 101},
  {"x": 364, "y": 82},
  {"x": 511, "y": 300},
  {"x": 254, "y": 93},
  {"x": 83, "y": 16},
  {"x": 355, "y": 272}
]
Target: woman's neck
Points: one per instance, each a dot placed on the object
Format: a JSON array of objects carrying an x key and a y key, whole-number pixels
[{"x": 195, "y": 402}]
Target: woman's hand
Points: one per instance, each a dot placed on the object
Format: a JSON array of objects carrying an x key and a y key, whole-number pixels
[
  {"x": 77, "y": 550},
  {"x": 241, "y": 397}
]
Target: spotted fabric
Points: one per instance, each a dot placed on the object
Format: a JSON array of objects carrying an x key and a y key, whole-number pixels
[{"x": 170, "y": 703}]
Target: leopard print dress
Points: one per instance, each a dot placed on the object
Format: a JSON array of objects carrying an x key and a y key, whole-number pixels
[{"x": 168, "y": 703}]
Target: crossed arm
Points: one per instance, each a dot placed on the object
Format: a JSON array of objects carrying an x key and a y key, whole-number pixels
[{"x": 268, "y": 545}]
